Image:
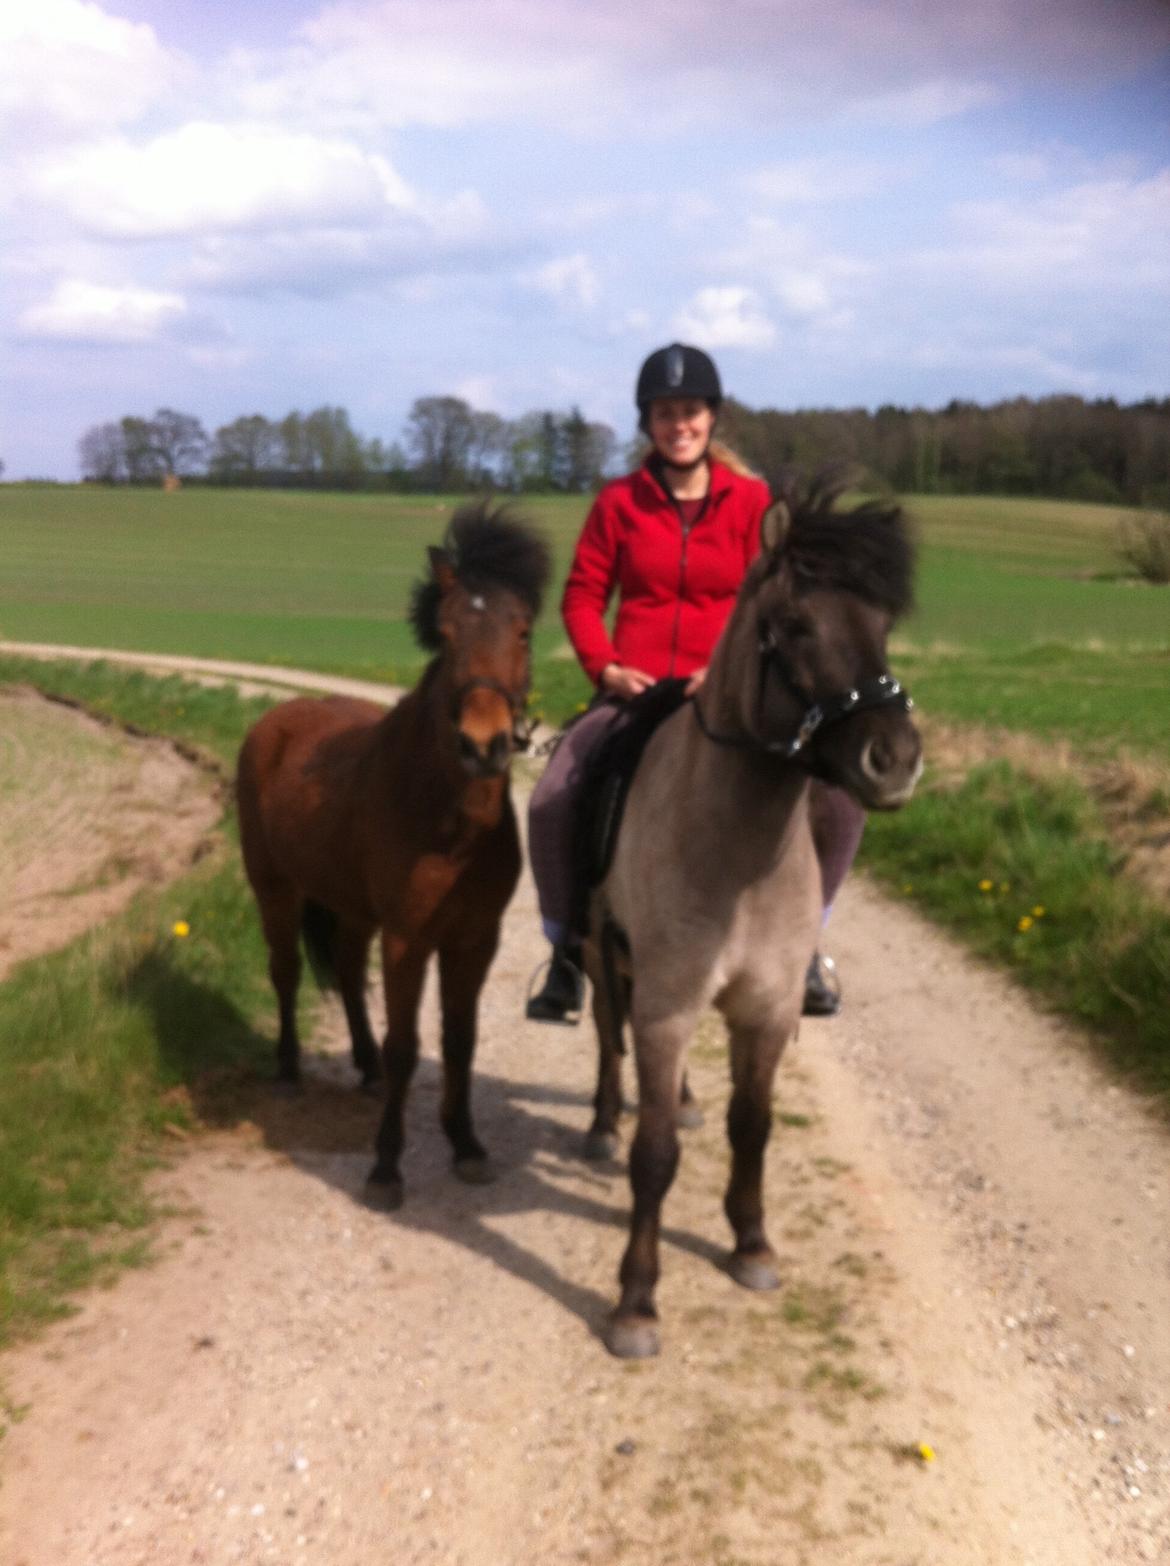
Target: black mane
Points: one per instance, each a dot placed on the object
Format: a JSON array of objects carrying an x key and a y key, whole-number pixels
[
  {"x": 488, "y": 546},
  {"x": 868, "y": 550}
]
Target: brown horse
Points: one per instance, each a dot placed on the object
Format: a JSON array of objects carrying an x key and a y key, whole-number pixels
[
  {"x": 354, "y": 820},
  {"x": 714, "y": 889}
]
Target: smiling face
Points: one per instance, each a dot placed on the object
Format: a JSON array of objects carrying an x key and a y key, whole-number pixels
[{"x": 680, "y": 428}]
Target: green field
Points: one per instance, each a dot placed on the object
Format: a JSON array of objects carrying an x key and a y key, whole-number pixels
[{"x": 1023, "y": 618}]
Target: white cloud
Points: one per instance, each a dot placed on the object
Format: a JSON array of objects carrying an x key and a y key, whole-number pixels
[
  {"x": 818, "y": 181},
  {"x": 81, "y": 312},
  {"x": 925, "y": 104},
  {"x": 68, "y": 65},
  {"x": 569, "y": 279},
  {"x": 725, "y": 317},
  {"x": 207, "y": 178},
  {"x": 1108, "y": 234}
]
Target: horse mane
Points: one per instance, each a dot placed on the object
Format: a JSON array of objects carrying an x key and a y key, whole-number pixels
[
  {"x": 488, "y": 546},
  {"x": 867, "y": 550}
]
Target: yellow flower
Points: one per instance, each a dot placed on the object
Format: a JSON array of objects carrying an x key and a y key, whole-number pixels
[
  {"x": 907, "y": 888},
  {"x": 180, "y": 928},
  {"x": 986, "y": 885},
  {"x": 1039, "y": 911},
  {"x": 1025, "y": 923},
  {"x": 926, "y": 1452}
]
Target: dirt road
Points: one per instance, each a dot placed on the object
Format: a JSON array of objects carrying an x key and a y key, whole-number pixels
[{"x": 972, "y": 1221}]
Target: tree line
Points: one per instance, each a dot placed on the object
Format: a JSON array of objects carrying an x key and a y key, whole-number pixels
[
  {"x": 1061, "y": 446},
  {"x": 447, "y": 446}
]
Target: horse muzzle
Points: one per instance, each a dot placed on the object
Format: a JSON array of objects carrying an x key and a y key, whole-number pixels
[
  {"x": 889, "y": 767},
  {"x": 488, "y": 760}
]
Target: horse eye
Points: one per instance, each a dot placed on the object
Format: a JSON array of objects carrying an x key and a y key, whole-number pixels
[{"x": 525, "y": 636}]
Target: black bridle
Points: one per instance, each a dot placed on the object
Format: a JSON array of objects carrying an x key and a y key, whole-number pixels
[{"x": 883, "y": 690}]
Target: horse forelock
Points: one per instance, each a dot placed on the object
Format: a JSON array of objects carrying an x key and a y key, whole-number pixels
[
  {"x": 867, "y": 550},
  {"x": 489, "y": 546}
]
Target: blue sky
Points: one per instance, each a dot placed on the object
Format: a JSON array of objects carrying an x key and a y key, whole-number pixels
[{"x": 247, "y": 208}]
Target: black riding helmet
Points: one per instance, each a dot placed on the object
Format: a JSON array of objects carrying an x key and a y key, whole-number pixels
[{"x": 677, "y": 371}]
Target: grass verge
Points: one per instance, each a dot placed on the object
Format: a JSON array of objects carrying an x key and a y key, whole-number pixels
[
  {"x": 122, "y": 1035},
  {"x": 1024, "y": 869}
]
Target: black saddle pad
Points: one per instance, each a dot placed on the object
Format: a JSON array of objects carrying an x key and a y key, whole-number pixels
[{"x": 609, "y": 772}]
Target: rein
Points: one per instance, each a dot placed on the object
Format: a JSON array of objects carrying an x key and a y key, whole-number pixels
[{"x": 883, "y": 690}]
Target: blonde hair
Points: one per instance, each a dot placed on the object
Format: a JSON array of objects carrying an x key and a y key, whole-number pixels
[{"x": 721, "y": 453}]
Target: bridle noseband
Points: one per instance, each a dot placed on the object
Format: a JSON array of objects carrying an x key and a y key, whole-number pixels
[{"x": 883, "y": 690}]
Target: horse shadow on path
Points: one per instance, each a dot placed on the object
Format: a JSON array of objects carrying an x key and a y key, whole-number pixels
[{"x": 327, "y": 1130}]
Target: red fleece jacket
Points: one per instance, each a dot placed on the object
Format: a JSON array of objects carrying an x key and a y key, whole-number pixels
[{"x": 676, "y": 586}]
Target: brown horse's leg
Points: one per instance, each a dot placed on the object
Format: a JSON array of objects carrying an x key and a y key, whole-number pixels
[
  {"x": 350, "y": 963},
  {"x": 462, "y": 971},
  {"x": 601, "y": 1140},
  {"x": 633, "y": 1329},
  {"x": 404, "y": 971},
  {"x": 280, "y": 914},
  {"x": 755, "y": 1053}
]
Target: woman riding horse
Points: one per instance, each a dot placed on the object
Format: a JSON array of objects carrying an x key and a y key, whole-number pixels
[{"x": 675, "y": 538}]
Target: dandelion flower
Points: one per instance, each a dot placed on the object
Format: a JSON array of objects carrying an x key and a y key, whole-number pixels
[
  {"x": 1024, "y": 923},
  {"x": 1039, "y": 911},
  {"x": 985, "y": 885},
  {"x": 907, "y": 888},
  {"x": 181, "y": 928},
  {"x": 926, "y": 1452}
]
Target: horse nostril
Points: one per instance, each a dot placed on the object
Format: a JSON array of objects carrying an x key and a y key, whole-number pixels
[
  {"x": 499, "y": 752},
  {"x": 877, "y": 759}
]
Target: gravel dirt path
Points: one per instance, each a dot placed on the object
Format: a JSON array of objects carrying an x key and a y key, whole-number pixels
[{"x": 972, "y": 1221}]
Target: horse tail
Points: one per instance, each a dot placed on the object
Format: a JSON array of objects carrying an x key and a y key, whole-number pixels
[{"x": 319, "y": 931}]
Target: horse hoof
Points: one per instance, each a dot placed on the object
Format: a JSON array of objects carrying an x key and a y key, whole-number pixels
[
  {"x": 753, "y": 1272},
  {"x": 384, "y": 1196},
  {"x": 689, "y": 1117},
  {"x": 633, "y": 1337},
  {"x": 475, "y": 1171},
  {"x": 600, "y": 1146}
]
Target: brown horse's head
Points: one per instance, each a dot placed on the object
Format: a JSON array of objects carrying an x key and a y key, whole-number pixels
[
  {"x": 812, "y": 623},
  {"x": 476, "y": 611}
]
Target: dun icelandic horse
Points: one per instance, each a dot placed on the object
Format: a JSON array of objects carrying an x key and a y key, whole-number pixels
[
  {"x": 714, "y": 889},
  {"x": 355, "y": 820}
]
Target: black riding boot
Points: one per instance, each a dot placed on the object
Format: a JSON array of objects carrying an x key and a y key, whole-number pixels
[
  {"x": 822, "y": 992},
  {"x": 561, "y": 996}
]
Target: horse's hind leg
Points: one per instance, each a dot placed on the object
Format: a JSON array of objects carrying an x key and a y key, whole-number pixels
[
  {"x": 601, "y": 1140},
  {"x": 280, "y": 914},
  {"x": 755, "y": 1053},
  {"x": 404, "y": 971},
  {"x": 350, "y": 962},
  {"x": 462, "y": 971},
  {"x": 633, "y": 1329}
]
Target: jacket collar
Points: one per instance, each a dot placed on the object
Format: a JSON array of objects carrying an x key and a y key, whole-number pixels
[{"x": 650, "y": 474}]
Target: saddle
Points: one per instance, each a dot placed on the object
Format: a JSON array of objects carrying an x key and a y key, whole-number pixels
[{"x": 605, "y": 787}]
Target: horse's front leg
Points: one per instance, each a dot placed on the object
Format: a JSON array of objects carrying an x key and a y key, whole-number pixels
[
  {"x": 403, "y": 969},
  {"x": 658, "y": 1047},
  {"x": 462, "y": 970},
  {"x": 755, "y": 1054}
]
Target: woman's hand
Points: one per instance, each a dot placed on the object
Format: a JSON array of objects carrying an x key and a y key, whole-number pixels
[
  {"x": 618, "y": 680},
  {"x": 695, "y": 681}
]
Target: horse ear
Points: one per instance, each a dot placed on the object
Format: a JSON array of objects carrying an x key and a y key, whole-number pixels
[
  {"x": 442, "y": 568},
  {"x": 774, "y": 526}
]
